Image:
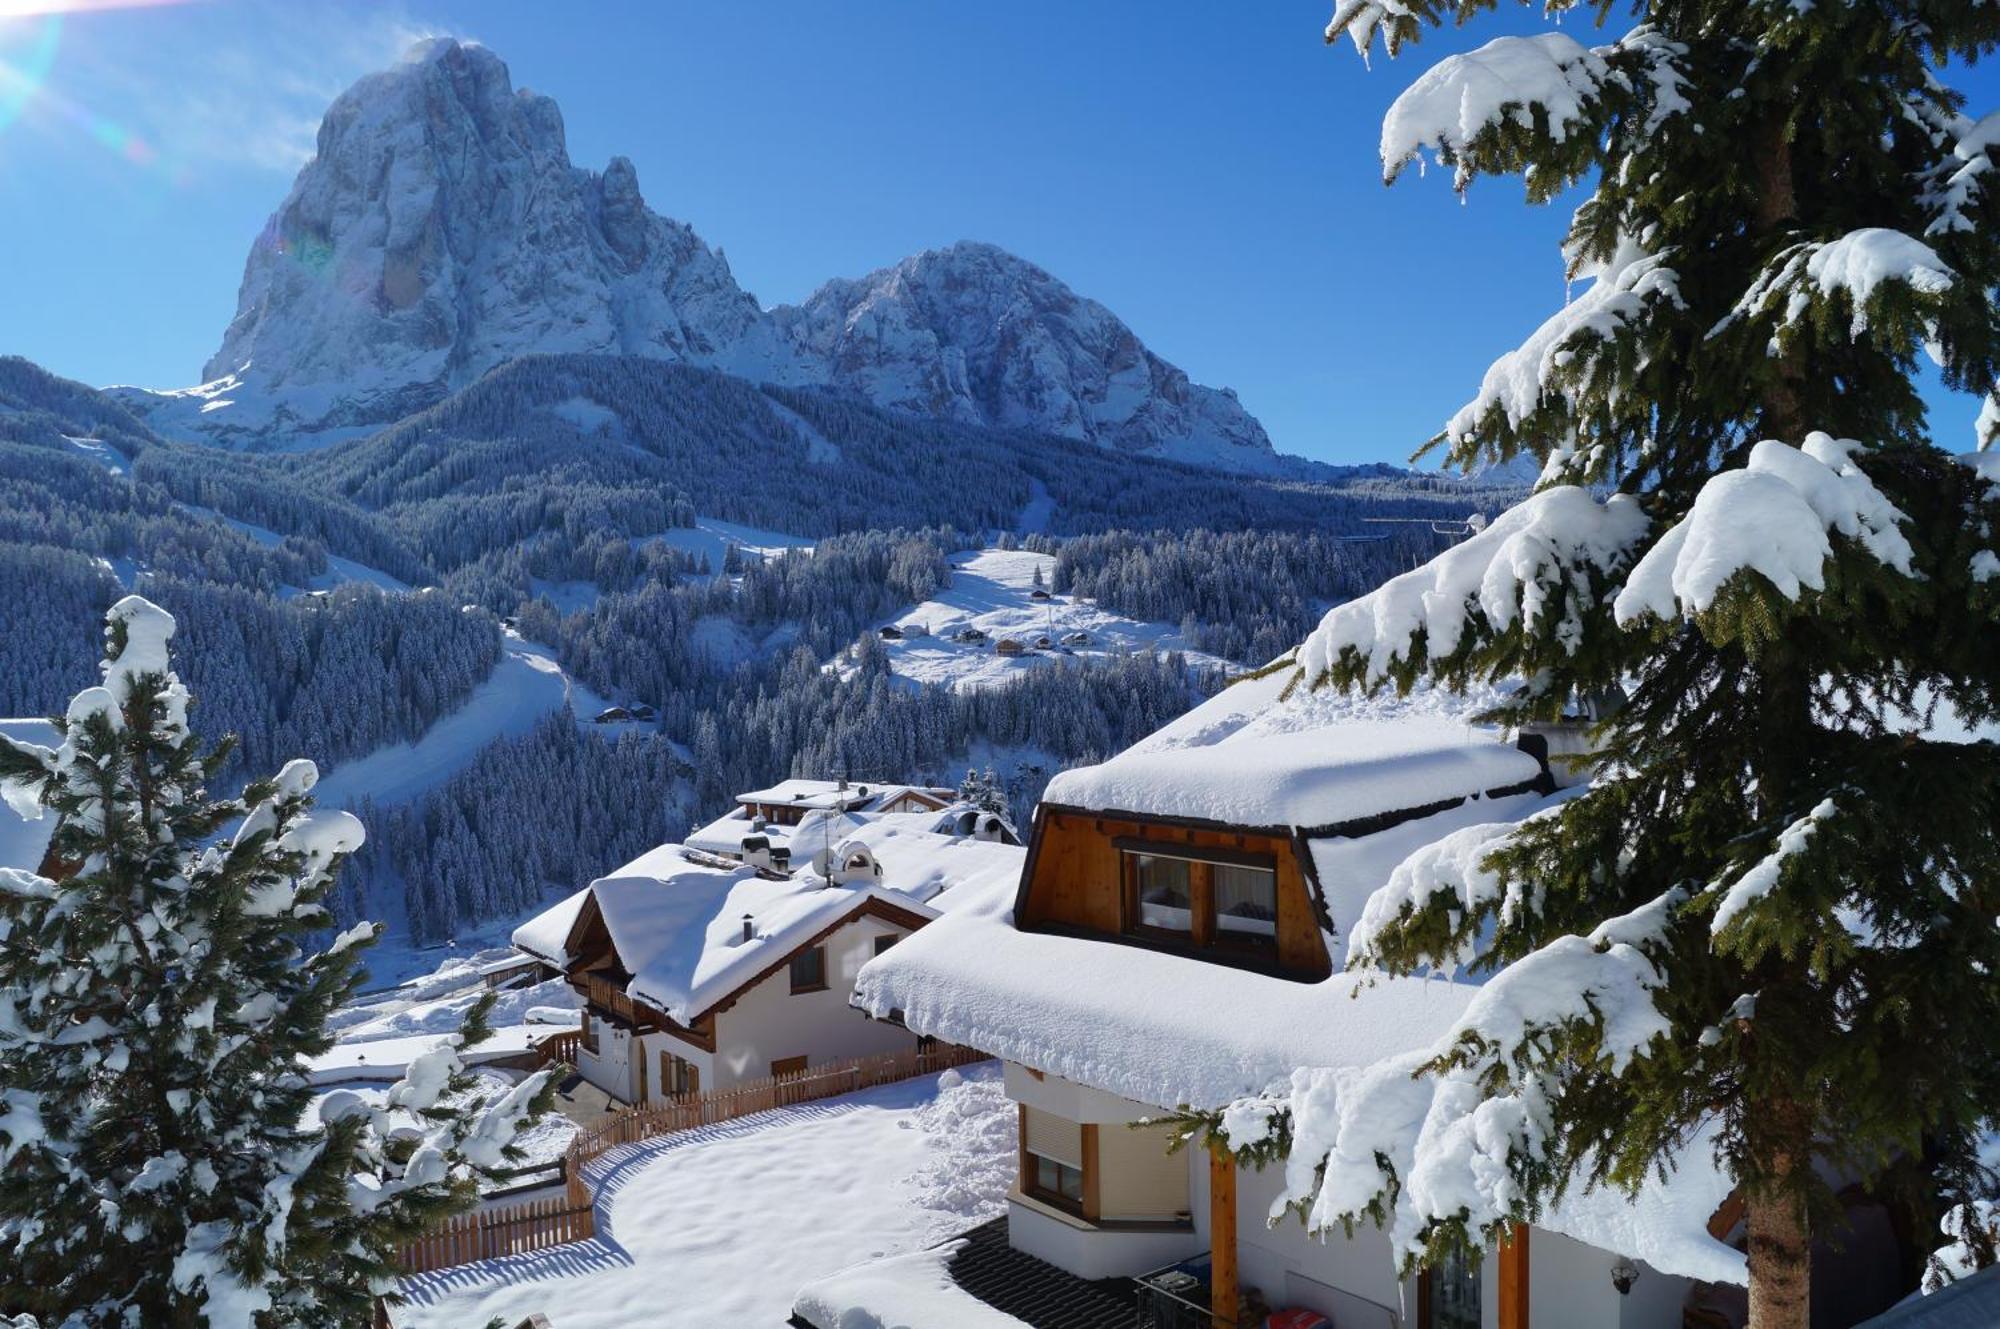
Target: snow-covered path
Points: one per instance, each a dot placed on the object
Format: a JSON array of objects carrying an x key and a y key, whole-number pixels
[
  {"x": 722, "y": 1226},
  {"x": 526, "y": 685}
]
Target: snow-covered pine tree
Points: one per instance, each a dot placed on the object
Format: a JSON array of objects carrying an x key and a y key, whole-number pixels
[
  {"x": 1769, "y": 926},
  {"x": 157, "y": 1167},
  {"x": 983, "y": 790}
]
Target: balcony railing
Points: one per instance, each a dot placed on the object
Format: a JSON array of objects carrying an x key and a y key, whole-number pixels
[{"x": 612, "y": 1000}]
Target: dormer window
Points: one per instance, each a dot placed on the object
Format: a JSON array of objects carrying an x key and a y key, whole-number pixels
[
  {"x": 1246, "y": 904},
  {"x": 1200, "y": 897},
  {"x": 1164, "y": 890}
]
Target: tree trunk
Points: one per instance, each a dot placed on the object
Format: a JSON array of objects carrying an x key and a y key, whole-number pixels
[
  {"x": 1780, "y": 1262},
  {"x": 1777, "y": 208}
]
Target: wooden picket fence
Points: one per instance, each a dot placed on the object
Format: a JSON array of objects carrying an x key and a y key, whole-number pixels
[
  {"x": 539, "y": 1224},
  {"x": 762, "y": 1095},
  {"x": 513, "y": 1229}
]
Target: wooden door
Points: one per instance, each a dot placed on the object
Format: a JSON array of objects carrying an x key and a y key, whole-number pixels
[{"x": 785, "y": 1068}]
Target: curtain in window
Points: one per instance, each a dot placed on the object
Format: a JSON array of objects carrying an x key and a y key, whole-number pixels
[
  {"x": 1166, "y": 896},
  {"x": 1246, "y": 903}
]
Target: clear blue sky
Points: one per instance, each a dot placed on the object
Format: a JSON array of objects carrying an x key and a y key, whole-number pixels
[{"x": 1207, "y": 170}]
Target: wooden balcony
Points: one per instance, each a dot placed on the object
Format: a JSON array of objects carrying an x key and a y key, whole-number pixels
[{"x": 610, "y": 999}]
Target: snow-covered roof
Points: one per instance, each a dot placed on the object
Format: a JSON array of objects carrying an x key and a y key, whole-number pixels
[
  {"x": 1149, "y": 1025},
  {"x": 1170, "y": 1030},
  {"x": 24, "y": 843},
  {"x": 937, "y": 868},
  {"x": 725, "y": 834},
  {"x": 677, "y": 924},
  {"x": 821, "y": 827},
  {"x": 832, "y": 793},
  {"x": 1243, "y": 759},
  {"x": 546, "y": 935}
]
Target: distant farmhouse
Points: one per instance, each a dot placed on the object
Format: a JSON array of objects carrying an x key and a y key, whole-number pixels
[
  {"x": 733, "y": 957},
  {"x": 773, "y": 813}
]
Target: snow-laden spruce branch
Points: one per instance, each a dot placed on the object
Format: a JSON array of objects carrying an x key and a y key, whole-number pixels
[
  {"x": 1548, "y": 88},
  {"x": 1438, "y": 1140},
  {"x": 1537, "y": 582},
  {"x": 1565, "y": 355}
]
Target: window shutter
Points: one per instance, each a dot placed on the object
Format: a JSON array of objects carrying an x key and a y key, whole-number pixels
[{"x": 1055, "y": 1137}]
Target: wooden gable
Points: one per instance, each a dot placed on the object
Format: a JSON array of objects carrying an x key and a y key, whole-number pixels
[{"x": 1077, "y": 879}]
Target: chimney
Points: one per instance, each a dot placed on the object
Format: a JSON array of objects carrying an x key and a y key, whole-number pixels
[{"x": 749, "y": 928}]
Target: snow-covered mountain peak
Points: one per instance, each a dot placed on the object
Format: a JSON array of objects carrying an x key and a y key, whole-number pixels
[
  {"x": 441, "y": 230},
  {"x": 973, "y": 332}
]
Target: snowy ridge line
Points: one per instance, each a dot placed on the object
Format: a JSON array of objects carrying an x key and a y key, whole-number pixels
[{"x": 574, "y": 261}]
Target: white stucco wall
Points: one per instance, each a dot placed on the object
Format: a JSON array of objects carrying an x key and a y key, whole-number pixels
[
  {"x": 610, "y": 1067},
  {"x": 768, "y": 1023},
  {"x": 1353, "y": 1280},
  {"x": 1092, "y": 1252},
  {"x": 652, "y": 1045}
]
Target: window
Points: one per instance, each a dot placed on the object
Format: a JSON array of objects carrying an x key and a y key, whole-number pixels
[
  {"x": 1166, "y": 893},
  {"x": 589, "y": 1033},
  {"x": 1246, "y": 904},
  {"x": 679, "y": 1078},
  {"x": 1227, "y": 900},
  {"x": 1448, "y": 1296},
  {"x": 1058, "y": 1183},
  {"x": 885, "y": 941},
  {"x": 809, "y": 970},
  {"x": 1052, "y": 1159}
]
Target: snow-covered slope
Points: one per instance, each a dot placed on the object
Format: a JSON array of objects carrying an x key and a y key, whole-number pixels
[
  {"x": 992, "y": 590},
  {"x": 441, "y": 230},
  {"x": 526, "y": 685}
]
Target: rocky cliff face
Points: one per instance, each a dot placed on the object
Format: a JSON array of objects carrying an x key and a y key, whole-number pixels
[
  {"x": 974, "y": 333},
  {"x": 441, "y": 230}
]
